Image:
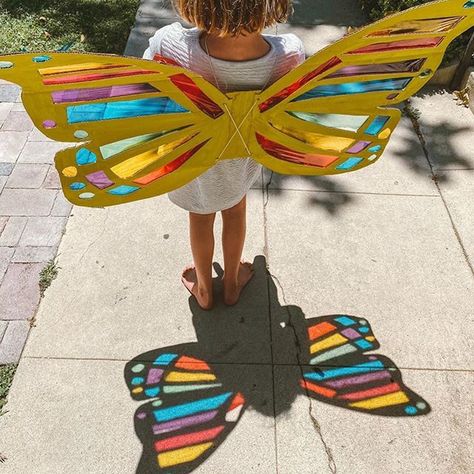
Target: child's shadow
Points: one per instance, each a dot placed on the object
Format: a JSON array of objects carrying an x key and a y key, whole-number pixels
[{"x": 256, "y": 354}]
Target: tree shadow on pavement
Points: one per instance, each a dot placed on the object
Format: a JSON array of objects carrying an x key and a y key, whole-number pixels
[{"x": 261, "y": 355}]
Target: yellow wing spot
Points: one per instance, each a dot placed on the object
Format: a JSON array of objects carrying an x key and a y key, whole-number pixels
[
  {"x": 137, "y": 390},
  {"x": 182, "y": 455},
  {"x": 370, "y": 338},
  {"x": 384, "y": 134},
  {"x": 70, "y": 172}
]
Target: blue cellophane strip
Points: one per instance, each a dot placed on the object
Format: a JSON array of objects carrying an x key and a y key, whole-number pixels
[
  {"x": 349, "y": 163},
  {"x": 123, "y": 189},
  {"x": 377, "y": 124},
  {"x": 122, "y": 109},
  {"x": 354, "y": 88}
]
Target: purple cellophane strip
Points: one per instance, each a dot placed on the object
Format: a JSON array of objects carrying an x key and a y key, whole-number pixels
[
  {"x": 350, "y": 333},
  {"x": 95, "y": 93},
  {"x": 183, "y": 422},
  {"x": 413, "y": 65},
  {"x": 359, "y": 146},
  {"x": 358, "y": 379},
  {"x": 154, "y": 376},
  {"x": 99, "y": 179}
]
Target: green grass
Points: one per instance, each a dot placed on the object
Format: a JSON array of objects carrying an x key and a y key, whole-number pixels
[
  {"x": 6, "y": 378},
  {"x": 91, "y": 25},
  {"x": 47, "y": 275}
]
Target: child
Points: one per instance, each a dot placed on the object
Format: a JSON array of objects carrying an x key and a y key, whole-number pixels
[{"x": 227, "y": 48}]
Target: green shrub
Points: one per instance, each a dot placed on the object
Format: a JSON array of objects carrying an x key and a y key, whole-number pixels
[
  {"x": 91, "y": 25},
  {"x": 377, "y": 9}
]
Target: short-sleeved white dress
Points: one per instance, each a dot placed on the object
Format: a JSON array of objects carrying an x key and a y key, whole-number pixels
[{"x": 227, "y": 182}]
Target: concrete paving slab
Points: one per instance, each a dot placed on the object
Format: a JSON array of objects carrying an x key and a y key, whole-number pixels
[
  {"x": 3, "y": 181},
  {"x": 27, "y": 202},
  {"x": 458, "y": 191},
  {"x": 13, "y": 341},
  {"x": 448, "y": 130},
  {"x": 119, "y": 289},
  {"x": 19, "y": 291},
  {"x": 27, "y": 175},
  {"x": 43, "y": 231},
  {"x": 18, "y": 121},
  {"x": 402, "y": 169},
  {"x": 6, "y": 254},
  {"x": 358, "y": 443},
  {"x": 383, "y": 259},
  {"x": 40, "y": 153},
  {"x": 11, "y": 144},
  {"x": 12, "y": 231},
  {"x": 34, "y": 254},
  {"x": 86, "y": 405}
]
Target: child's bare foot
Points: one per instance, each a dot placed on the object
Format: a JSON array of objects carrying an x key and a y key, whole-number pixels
[
  {"x": 232, "y": 290},
  {"x": 203, "y": 296}
]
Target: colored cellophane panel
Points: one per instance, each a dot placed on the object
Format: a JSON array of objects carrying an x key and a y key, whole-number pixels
[
  {"x": 397, "y": 45},
  {"x": 99, "y": 179},
  {"x": 377, "y": 124},
  {"x": 427, "y": 25},
  {"x": 170, "y": 167},
  {"x": 134, "y": 165},
  {"x": 413, "y": 65},
  {"x": 354, "y": 88},
  {"x": 112, "y": 149},
  {"x": 196, "y": 95},
  {"x": 96, "y": 93},
  {"x": 287, "y": 154},
  {"x": 324, "y": 142},
  {"x": 352, "y": 123},
  {"x": 122, "y": 109},
  {"x": 283, "y": 94},
  {"x": 358, "y": 147},
  {"x": 337, "y": 338},
  {"x": 73, "y": 78},
  {"x": 78, "y": 67}
]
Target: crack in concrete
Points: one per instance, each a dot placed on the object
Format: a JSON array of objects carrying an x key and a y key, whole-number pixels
[
  {"x": 317, "y": 427},
  {"x": 419, "y": 133}
]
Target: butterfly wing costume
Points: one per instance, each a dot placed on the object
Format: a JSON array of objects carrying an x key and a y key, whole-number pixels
[{"x": 144, "y": 128}]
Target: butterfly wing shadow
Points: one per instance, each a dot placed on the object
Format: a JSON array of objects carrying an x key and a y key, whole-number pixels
[
  {"x": 337, "y": 370},
  {"x": 189, "y": 411}
]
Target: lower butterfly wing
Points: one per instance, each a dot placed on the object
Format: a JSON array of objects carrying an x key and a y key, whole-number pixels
[
  {"x": 332, "y": 113},
  {"x": 142, "y": 127},
  {"x": 338, "y": 372},
  {"x": 189, "y": 410}
]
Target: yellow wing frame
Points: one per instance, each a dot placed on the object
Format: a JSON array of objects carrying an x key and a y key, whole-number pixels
[
  {"x": 143, "y": 127},
  {"x": 331, "y": 114}
]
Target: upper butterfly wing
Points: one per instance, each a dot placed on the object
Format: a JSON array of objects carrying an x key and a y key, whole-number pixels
[
  {"x": 143, "y": 127},
  {"x": 329, "y": 115},
  {"x": 338, "y": 372},
  {"x": 189, "y": 412}
]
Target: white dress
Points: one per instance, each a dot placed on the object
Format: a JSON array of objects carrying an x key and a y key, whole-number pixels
[{"x": 227, "y": 182}]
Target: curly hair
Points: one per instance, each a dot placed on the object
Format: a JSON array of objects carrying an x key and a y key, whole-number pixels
[{"x": 232, "y": 17}]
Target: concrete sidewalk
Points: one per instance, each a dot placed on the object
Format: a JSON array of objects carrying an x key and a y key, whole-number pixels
[{"x": 392, "y": 245}]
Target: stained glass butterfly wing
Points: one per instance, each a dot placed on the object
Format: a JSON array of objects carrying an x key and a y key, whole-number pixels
[
  {"x": 329, "y": 115},
  {"x": 340, "y": 373},
  {"x": 142, "y": 127},
  {"x": 188, "y": 413}
]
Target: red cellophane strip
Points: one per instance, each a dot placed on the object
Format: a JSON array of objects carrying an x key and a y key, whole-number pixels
[
  {"x": 287, "y": 91},
  {"x": 403, "y": 44},
  {"x": 196, "y": 95},
  {"x": 287, "y": 154},
  {"x": 170, "y": 167},
  {"x": 162, "y": 60},
  {"x": 188, "y": 439}
]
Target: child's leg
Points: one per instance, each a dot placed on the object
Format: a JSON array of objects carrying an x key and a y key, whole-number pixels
[
  {"x": 236, "y": 274},
  {"x": 199, "y": 279}
]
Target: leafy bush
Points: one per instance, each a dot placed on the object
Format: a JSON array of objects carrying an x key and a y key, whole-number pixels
[
  {"x": 91, "y": 25},
  {"x": 377, "y": 9}
]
